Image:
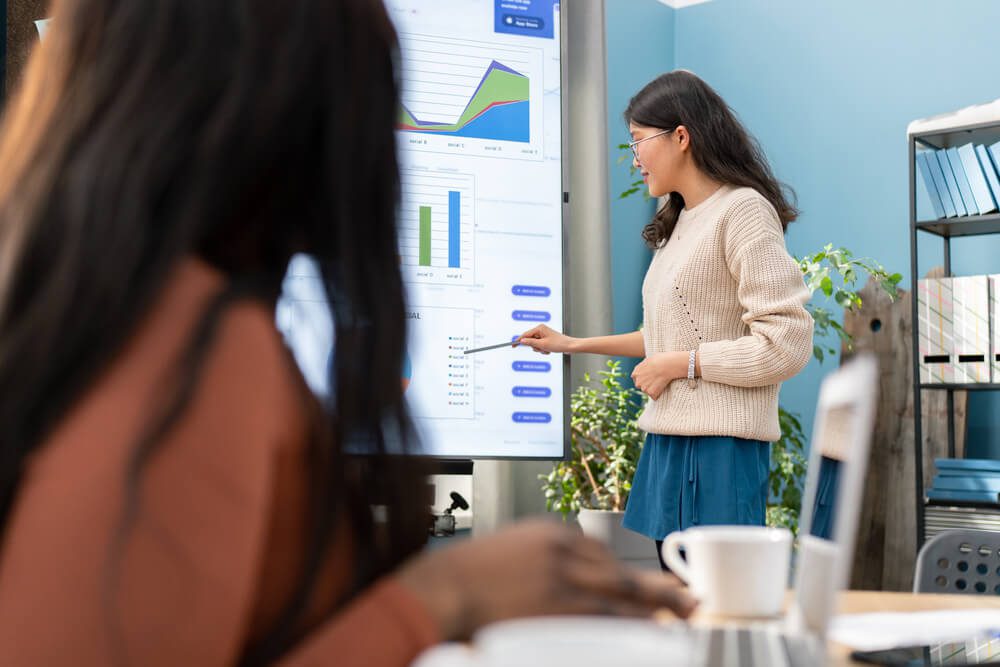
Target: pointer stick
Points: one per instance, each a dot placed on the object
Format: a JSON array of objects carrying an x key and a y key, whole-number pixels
[{"x": 511, "y": 343}]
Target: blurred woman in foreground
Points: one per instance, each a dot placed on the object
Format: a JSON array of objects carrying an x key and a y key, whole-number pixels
[{"x": 170, "y": 491}]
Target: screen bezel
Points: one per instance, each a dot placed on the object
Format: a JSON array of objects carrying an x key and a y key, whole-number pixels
[{"x": 854, "y": 385}]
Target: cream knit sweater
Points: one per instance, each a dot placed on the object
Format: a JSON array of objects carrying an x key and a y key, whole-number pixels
[{"x": 725, "y": 285}]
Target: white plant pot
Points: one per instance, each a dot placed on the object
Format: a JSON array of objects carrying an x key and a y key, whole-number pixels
[{"x": 626, "y": 545}]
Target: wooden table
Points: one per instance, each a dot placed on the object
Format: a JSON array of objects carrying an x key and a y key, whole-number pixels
[{"x": 860, "y": 602}]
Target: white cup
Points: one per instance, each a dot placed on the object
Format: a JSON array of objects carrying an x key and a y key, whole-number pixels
[{"x": 733, "y": 570}]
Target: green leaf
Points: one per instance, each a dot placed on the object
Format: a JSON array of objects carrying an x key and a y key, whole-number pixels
[{"x": 826, "y": 285}]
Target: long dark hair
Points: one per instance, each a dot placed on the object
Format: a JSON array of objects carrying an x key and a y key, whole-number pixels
[
  {"x": 242, "y": 132},
  {"x": 721, "y": 147}
]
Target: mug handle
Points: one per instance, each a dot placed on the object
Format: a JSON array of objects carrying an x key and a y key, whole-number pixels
[{"x": 672, "y": 545}]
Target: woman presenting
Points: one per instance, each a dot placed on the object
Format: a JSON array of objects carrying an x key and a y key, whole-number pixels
[{"x": 723, "y": 316}]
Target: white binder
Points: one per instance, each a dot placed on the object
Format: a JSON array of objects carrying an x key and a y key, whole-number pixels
[
  {"x": 971, "y": 329},
  {"x": 935, "y": 310}
]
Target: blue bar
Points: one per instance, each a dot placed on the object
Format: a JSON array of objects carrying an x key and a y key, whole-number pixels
[
  {"x": 531, "y": 315},
  {"x": 531, "y": 417},
  {"x": 454, "y": 228},
  {"x": 532, "y": 366},
  {"x": 532, "y": 392},
  {"x": 530, "y": 290}
]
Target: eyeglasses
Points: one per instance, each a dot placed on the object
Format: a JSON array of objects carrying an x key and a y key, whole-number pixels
[{"x": 633, "y": 144}]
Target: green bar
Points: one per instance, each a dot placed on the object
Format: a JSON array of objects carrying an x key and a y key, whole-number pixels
[{"x": 425, "y": 236}]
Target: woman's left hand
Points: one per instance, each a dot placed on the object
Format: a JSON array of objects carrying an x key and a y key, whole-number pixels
[{"x": 655, "y": 372}]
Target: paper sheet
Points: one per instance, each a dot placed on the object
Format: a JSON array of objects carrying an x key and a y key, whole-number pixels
[{"x": 873, "y": 632}]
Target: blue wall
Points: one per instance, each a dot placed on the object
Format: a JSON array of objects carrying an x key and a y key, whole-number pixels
[
  {"x": 640, "y": 43},
  {"x": 828, "y": 89}
]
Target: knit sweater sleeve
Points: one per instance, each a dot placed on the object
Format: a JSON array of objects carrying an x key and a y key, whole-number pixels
[{"x": 771, "y": 292}]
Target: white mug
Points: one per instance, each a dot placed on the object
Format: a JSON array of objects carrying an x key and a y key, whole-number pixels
[{"x": 733, "y": 570}]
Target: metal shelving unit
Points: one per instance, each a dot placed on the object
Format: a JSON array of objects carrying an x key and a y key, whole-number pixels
[
  {"x": 973, "y": 225},
  {"x": 945, "y": 229}
]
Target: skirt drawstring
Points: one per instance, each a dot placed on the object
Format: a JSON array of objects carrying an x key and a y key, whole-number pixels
[{"x": 693, "y": 479}]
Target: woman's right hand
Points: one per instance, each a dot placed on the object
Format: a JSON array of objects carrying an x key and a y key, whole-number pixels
[
  {"x": 544, "y": 339},
  {"x": 534, "y": 568}
]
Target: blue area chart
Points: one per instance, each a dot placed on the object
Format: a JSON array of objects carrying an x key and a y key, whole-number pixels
[{"x": 509, "y": 122}]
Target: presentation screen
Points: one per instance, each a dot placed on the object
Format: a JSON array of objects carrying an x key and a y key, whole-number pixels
[{"x": 480, "y": 229}]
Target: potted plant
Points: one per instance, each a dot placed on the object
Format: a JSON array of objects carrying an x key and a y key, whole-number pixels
[
  {"x": 835, "y": 273},
  {"x": 606, "y": 441},
  {"x": 595, "y": 482}
]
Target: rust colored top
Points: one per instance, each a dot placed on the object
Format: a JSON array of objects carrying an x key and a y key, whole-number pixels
[{"x": 220, "y": 529}]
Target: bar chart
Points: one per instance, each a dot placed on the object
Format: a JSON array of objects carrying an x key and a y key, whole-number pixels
[{"x": 436, "y": 238}]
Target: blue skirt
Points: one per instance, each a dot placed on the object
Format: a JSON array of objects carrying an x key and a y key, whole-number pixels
[
  {"x": 823, "y": 518},
  {"x": 684, "y": 481}
]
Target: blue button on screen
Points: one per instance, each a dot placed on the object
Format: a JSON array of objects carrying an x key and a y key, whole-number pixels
[
  {"x": 530, "y": 290},
  {"x": 532, "y": 366},
  {"x": 528, "y": 18},
  {"x": 532, "y": 417},
  {"x": 532, "y": 392},
  {"x": 531, "y": 315}
]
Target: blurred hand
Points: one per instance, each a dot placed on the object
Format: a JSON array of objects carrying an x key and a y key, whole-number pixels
[
  {"x": 531, "y": 569},
  {"x": 656, "y": 371},
  {"x": 545, "y": 339}
]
